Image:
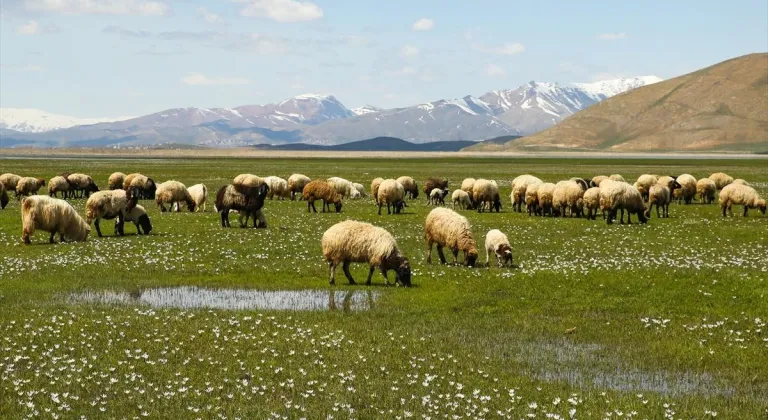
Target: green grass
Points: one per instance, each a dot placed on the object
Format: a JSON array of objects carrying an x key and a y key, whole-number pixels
[{"x": 669, "y": 317}]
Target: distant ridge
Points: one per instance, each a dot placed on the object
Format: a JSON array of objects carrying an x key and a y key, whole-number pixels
[{"x": 386, "y": 144}]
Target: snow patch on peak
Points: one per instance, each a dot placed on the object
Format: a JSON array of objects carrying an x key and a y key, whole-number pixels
[{"x": 30, "y": 120}]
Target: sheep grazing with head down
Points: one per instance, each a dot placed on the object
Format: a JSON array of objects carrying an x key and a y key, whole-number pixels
[
  {"x": 568, "y": 195},
  {"x": 278, "y": 187},
  {"x": 81, "y": 185},
  {"x": 644, "y": 184},
  {"x": 532, "y": 199},
  {"x": 484, "y": 192},
  {"x": 115, "y": 181},
  {"x": 321, "y": 190},
  {"x": 659, "y": 195},
  {"x": 410, "y": 186},
  {"x": 296, "y": 183},
  {"x": 343, "y": 187},
  {"x": 545, "y": 193},
  {"x": 28, "y": 186},
  {"x": 110, "y": 204},
  {"x": 375, "y": 188},
  {"x": 446, "y": 228},
  {"x": 360, "y": 190},
  {"x": 249, "y": 201},
  {"x": 199, "y": 193},
  {"x": 3, "y": 197},
  {"x": 138, "y": 216},
  {"x": 53, "y": 215},
  {"x": 461, "y": 198},
  {"x": 432, "y": 183},
  {"x": 56, "y": 185},
  {"x": 519, "y": 187},
  {"x": 687, "y": 188},
  {"x": 617, "y": 178},
  {"x": 739, "y": 181},
  {"x": 596, "y": 180},
  {"x": 248, "y": 180},
  {"x": 591, "y": 202},
  {"x": 9, "y": 181},
  {"x": 145, "y": 186},
  {"x": 498, "y": 243},
  {"x": 171, "y": 192},
  {"x": 741, "y": 195},
  {"x": 351, "y": 241},
  {"x": 391, "y": 193},
  {"x": 721, "y": 180},
  {"x": 467, "y": 185},
  {"x": 615, "y": 196},
  {"x": 437, "y": 197},
  {"x": 706, "y": 189}
]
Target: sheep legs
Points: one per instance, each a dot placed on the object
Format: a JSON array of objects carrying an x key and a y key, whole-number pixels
[
  {"x": 225, "y": 218},
  {"x": 440, "y": 254},
  {"x": 96, "y": 225},
  {"x": 370, "y": 276},
  {"x": 746, "y": 209},
  {"x": 345, "y": 267},
  {"x": 332, "y": 268}
]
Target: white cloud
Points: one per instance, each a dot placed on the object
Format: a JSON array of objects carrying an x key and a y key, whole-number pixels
[
  {"x": 282, "y": 10},
  {"x": 197, "y": 79},
  {"x": 509, "y": 48},
  {"x": 98, "y": 7},
  {"x": 423, "y": 24},
  {"x": 210, "y": 17},
  {"x": 493, "y": 70},
  {"x": 409, "y": 51},
  {"x": 611, "y": 37}
]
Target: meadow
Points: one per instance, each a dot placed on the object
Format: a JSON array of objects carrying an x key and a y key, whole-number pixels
[{"x": 663, "y": 320}]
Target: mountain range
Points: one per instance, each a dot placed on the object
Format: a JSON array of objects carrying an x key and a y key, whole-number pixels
[{"x": 324, "y": 120}]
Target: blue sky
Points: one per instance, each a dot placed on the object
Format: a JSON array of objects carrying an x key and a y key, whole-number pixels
[{"x": 100, "y": 58}]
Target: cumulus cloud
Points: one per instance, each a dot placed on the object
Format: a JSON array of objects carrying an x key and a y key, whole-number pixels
[
  {"x": 34, "y": 28},
  {"x": 282, "y": 10},
  {"x": 98, "y": 7},
  {"x": 493, "y": 70},
  {"x": 409, "y": 51},
  {"x": 423, "y": 24},
  {"x": 611, "y": 37},
  {"x": 210, "y": 17},
  {"x": 198, "y": 79},
  {"x": 509, "y": 48}
]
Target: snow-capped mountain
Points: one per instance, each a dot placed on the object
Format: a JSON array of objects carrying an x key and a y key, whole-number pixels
[
  {"x": 29, "y": 120},
  {"x": 366, "y": 109}
]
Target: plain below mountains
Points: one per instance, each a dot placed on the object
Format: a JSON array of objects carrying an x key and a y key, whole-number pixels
[{"x": 719, "y": 108}]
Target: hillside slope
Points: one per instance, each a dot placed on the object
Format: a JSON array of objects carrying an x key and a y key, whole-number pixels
[{"x": 719, "y": 108}]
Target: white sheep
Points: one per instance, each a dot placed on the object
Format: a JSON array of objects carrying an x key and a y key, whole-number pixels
[
  {"x": 446, "y": 228},
  {"x": 568, "y": 195},
  {"x": 171, "y": 192},
  {"x": 109, "y": 204},
  {"x": 81, "y": 185},
  {"x": 28, "y": 186},
  {"x": 661, "y": 196},
  {"x": 706, "y": 189},
  {"x": 360, "y": 189},
  {"x": 687, "y": 187},
  {"x": 9, "y": 181},
  {"x": 437, "y": 196},
  {"x": 740, "y": 181},
  {"x": 52, "y": 215},
  {"x": 617, "y": 178},
  {"x": 616, "y": 196},
  {"x": 145, "y": 185},
  {"x": 461, "y": 198},
  {"x": 375, "y": 188},
  {"x": 742, "y": 195},
  {"x": 278, "y": 187},
  {"x": 644, "y": 184},
  {"x": 199, "y": 193},
  {"x": 296, "y": 183},
  {"x": 410, "y": 186},
  {"x": 545, "y": 193},
  {"x": 484, "y": 192},
  {"x": 591, "y": 202},
  {"x": 596, "y": 180},
  {"x": 342, "y": 186},
  {"x": 351, "y": 241},
  {"x": 115, "y": 181},
  {"x": 532, "y": 199},
  {"x": 138, "y": 216},
  {"x": 519, "y": 187},
  {"x": 497, "y": 242},
  {"x": 56, "y": 185},
  {"x": 721, "y": 179},
  {"x": 248, "y": 180},
  {"x": 392, "y": 194}
]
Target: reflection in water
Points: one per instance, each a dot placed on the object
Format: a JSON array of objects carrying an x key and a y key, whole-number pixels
[{"x": 188, "y": 297}]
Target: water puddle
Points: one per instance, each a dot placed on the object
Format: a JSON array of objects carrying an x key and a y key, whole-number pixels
[{"x": 189, "y": 297}]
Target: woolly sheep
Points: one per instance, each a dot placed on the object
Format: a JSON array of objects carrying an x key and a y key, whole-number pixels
[
  {"x": 248, "y": 180},
  {"x": 81, "y": 185},
  {"x": 742, "y": 195},
  {"x": 355, "y": 194},
  {"x": 616, "y": 196},
  {"x": 644, "y": 184},
  {"x": 568, "y": 195},
  {"x": 351, "y": 241},
  {"x": 410, "y": 186},
  {"x": 321, "y": 190},
  {"x": 437, "y": 196},
  {"x": 661, "y": 196},
  {"x": 138, "y": 215},
  {"x": 740, "y": 181},
  {"x": 278, "y": 187},
  {"x": 342, "y": 186},
  {"x": 296, "y": 183},
  {"x": 705, "y": 189},
  {"x": 532, "y": 198},
  {"x": 28, "y": 186},
  {"x": 360, "y": 189},
  {"x": 52, "y": 215},
  {"x": 519, "y": 187},
  {"x": 687, "y": 187},
  {"x": 115, "y": 181},
  {"x": 249, "y": 201},
  {"x": 432, "y": 183},
  {"x": 56, "y": 185},
  {"x": 616, "y": 177},
  {"x": 391, "y": 193},
  {"x": 446, "y": 228},
  {"x": 591, "y": 202},
  {"x": 497, "y": 242},
  {"x": 375, "y": 188},
  {"x": 721, "y": 180},
  {"x": 461, "y": 198},
  {"x": 545, "y": 194},
  {"x": 144, "y": 185},
  {"x": 199, "y": 193},
  {"x": 595, "y": 182},
  {"x": 110, "y": 204},
  {"x": 170, "y": 192},
  {"x": 9, "y": 181},
  {"x": 486, "y": 191},
  {"x": 3, "y": 197}
]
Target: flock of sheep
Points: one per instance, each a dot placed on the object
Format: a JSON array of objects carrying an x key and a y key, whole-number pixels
[{"x": 353, "y": 241}]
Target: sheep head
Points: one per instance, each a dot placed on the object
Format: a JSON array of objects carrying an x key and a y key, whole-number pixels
[
  {"x": 338, "y": 206},
  {"x": 470, "y": 257},
  {"x": 761, "y": 205},
  {"x": 191, "y": 205},
  {"x": 504, "y": 252},
  {"x": 641, "y": 215},
  {"x": 403, "y": 272},
  {"x": 145, "y": 224}
]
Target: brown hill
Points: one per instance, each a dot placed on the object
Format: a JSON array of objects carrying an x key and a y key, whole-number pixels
[{"x": 719, "y": 108}]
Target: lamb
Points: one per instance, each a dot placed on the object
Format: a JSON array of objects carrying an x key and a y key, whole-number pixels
[
  {"x": 375, "y": 188},
  {"x": 446, "y": 228},
  {"x": 355, "y": 194},
  {"x": 740, "y": 181},
  {"x": 644, "y": 184},
  {"x": 687, "y": 187},
  {"x": 139, "y": 217},
  {"x": 519, "y": 187},
  {"x": 742, "y": 195},
  {"x": 52, "y": 215},
  {"x": 568, "y": 195},
  {"x": 110, "y": 204},
  {"x": 170, "y": 192},
  {"x": 545, "y": 193},
  {"x": 706, "y": 188},
  {"x": 28, "y": 186},
  {"x": 462, "y": 198},
  {"x": 3, "y": 197},
  {"x": 81, "y": 185},
  {"x": 296, "y": 183},
  {"x": 617, "y": 178},
  {"x": 432, "y": 183},
  {"x": 721, "y": 180},
  {"x": 616, "y": 196},
  {"x": 249, "y": 201},
  {"x": 591, "y": 202},
  {"x": 497, "y": 242},
  {"x": 56, "y": 185},
  {"x": 595, "y": 182},
  {"x": 145, "y": 186},
  {"x": 321, "y": 190},
  {"x": 248, "y": 180},
  {"x": 343, "y": 187},
  {"x": 277, "y": 187},
  {"x": 410, "y": 186},
  {"x": 351, "y": 241},
  {"x": 360, "y": 189},
  {"x": 661, "y": 196},
  {"x": 486, "y": 191},
  {"x": 391, "y": 193},
  {"x": 437, "y": 197},
  {"x": 115, "y": 181},
  {"x": 9, "y": 181}
]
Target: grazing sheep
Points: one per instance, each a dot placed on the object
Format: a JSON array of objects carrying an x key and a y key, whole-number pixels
[
  {"x": 110, "y": 204},
  {"x": 721, "y": 180},
  {"x": 321, "y": 190},
  {"x": 375, "y": 188},
  {"x": 437, "y": 197},
  {"x": 248, "y": 180},
  {"x": 145, "y": 186},
  {"x": 410, "y": 186},
  {"x": 519, "y": 187},
  {"x": 360, "y": 189},
  {"x": 199, "y": 193},
  {"x": 28, "y": 186},
  {"x": 296, "y": 183},
  {"x": 497, "y": 242},
  {"x": 687, "y": 187},
  {"x": 706, "y": 189},
  {"x": 466, "y": 185},
  {"x": 616, "y": 177},
  {"x": 740, "y": 181},
  {"x": 249, "y": 201},
  {"x": 568, "y": 195},
  {"x": 56, "y": 185},
  {"x": 278, "y": 187},
  {"x": 355, "y": 194},
  {"x": 486, "y": 192},
  {"x": 52, "y": 215},
  {"x": 532, "y": 199},
  {"x": 595, "y": 182},
  {"x": 351, "y": 241},
  {"x": 3, "y": 197},
  {"x": 591, "y": 202},
  {"x": 139, "y": 217},
  {"x": 644, "y": 184},
  {"x": 432, "y": 183},
  {"x": 9, "y": 181},
  {"x": 581, "y": 182},
  {"x": 343, "y": 187},
  {"x": 462, "y": 198},
  {"x": 171, "y": 192},
  {"x": 545, "y": 194},
  {"x": 661, "y": 196},
  {"x": 742, "y": 195},
  {"x": 115, "y": 181},
  {"x": 446, "y": 228},
  {"x": 616, "y": 196},
  {"x": 391, "y": 193},
  {"x": 81, "y": 185}
]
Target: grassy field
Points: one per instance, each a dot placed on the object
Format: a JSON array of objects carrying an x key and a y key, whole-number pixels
[{"x": 664, "y": 320}]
